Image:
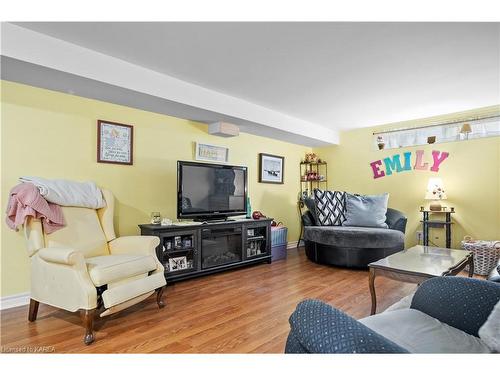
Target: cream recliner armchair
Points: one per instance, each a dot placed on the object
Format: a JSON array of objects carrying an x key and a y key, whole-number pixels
[{"x": 85, "y": 267}]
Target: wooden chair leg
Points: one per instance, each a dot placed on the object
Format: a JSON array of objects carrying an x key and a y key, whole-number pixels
[
  {"x": 88, "y": 321},
  {"x": 159, "y": 297},
  {"x": 33, "y": 311}
]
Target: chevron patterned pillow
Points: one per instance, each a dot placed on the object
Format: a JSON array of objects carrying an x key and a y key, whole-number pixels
[{"x": 330, "y": 207}]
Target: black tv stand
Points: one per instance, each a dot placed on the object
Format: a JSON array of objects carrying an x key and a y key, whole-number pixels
[{"x": 198, "y": 249}]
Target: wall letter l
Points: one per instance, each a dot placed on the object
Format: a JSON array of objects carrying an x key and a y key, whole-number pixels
[{"x": 419, "y": 165}]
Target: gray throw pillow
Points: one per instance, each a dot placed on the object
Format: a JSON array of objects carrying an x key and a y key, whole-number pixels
[
  {"x": 366, "y": 210},
  {"x": 311, "y": 206}
]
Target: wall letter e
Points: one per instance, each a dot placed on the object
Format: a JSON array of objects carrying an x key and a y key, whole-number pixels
[{"x": 377, "y": 173}]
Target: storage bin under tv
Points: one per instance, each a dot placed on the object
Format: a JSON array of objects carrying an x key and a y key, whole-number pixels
[{"x": 193, "y": 250}]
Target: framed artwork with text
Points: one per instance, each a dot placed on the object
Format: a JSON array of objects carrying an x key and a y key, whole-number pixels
[
  {"x": 114, "y": 142},
  {"x": 208, "y": 152}
]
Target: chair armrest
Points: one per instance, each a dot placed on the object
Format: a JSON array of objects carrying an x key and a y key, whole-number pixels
[
  {"x": 319, "y": 328},
  {"x": 134, "y": 245},
  {"x": 307, "y": 219},
  {"x": 460, "y": 302},
  {"x": 61, "y": 255}
]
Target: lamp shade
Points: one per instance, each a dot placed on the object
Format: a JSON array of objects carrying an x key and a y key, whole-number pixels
[
  {"x": 466, "y": 128},
  {"x": 435, "y": 189}
]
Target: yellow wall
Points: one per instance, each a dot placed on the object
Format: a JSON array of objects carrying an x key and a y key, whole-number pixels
[
  {"x": 471, "y": 176},
  {"x": 51, "y": 134}
]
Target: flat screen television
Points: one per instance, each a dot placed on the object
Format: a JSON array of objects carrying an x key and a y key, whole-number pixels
[{"x": 210, "y": 191}]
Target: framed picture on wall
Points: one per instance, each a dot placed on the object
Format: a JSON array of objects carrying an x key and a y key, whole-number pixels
[
  {"x": 271, "y": 168},
  {"x": 208, "y": 152},
  {"x": 114, "y": 142}
]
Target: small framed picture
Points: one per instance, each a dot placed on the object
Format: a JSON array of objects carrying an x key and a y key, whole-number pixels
[
  {"x": 187, "y": 242},
  {"x": 114, "y": 142},
  {"x": 208, "y": 152},
  {"x": 177, "y": 264},
  {"x": 271, "y": 168},
  {"x": 178, "y": 242},
  {"x": 168, "y": 244}
]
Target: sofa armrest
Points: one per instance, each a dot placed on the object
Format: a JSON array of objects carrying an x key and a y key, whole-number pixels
[
  {"x": 307, "y": 219},
  {"x": 396, "y": 220},
  {"x": 319, "y": 328},
  {"x": 460, "y": 302},
  {"x": 61, "y": 255},
  {"x": 134, "y": 245}
]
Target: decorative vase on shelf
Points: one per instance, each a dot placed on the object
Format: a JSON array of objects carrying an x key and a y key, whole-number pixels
[
  {"x": 249, "y": 209},
  {"x": 380, "y": 142}
]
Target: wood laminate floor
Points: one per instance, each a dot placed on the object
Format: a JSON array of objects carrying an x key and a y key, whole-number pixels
[{"x": 240, "y": 311}]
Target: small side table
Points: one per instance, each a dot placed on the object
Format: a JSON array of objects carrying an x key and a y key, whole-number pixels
[{"x": 429, "y": 223}]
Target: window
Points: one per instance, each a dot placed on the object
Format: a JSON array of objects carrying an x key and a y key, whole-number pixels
[{"x": 441, "y": 133}]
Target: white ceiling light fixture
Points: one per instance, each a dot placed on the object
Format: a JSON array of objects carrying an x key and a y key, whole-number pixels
[{"x": 223, "y": 129}]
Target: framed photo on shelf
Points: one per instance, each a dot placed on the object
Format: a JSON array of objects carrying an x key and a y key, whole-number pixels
[
  {"x": 187, "y": 242},
  {"x": 178, "y": 242},
  {"x": 271, "y": 168},
  {"x": 206, "y": 152},
  {"x": 168, "y": 245},
  {"x": 177, "y": 264},
  {"x": 114, "y": 142}
]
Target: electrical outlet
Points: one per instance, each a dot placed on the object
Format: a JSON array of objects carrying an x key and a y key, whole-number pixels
[{"x": 420, "y": 236}]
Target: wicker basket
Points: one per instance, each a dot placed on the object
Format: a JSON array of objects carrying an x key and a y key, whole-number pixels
[{"x": 486, "y": 254}]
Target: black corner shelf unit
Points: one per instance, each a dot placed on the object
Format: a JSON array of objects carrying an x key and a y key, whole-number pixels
[{"x": 193, "y": 250}]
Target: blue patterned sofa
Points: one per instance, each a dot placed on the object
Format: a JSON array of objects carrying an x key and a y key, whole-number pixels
[{"x": 444, "y": 316}]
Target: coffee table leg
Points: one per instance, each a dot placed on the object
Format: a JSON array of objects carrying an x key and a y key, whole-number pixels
[
  {"x": 471, "y": 266},
  {"x": 371, "y": 281}
]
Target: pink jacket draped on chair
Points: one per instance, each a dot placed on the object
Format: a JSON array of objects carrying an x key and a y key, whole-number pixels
[{"x": 25, "y": 200}]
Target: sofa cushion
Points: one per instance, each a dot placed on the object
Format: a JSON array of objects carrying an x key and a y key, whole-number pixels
[
  {"x": 490, "y": 331},
  {"x": 359, "y": 237},
  {"x": 366, "y": 210},
  {"x": 420, "y": 333},
  {"x": 330, "y": 207},
  {"x": 109, "y": 268}
]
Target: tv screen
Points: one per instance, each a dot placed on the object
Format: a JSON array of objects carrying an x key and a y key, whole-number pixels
[{"x": 207, "y": 190}]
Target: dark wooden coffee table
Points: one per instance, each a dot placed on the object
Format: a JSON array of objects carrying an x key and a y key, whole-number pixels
[{"x": 418, "y": 264}]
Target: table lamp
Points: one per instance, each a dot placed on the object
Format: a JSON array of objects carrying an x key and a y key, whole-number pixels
[
  {"x": 465, "y": 130},
  {"x": 435, "y": 193}
]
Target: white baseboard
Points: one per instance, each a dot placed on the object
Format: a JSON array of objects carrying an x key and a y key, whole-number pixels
[
  {"x": 14, "y": 300},
  {"x": 292, "y": 245}
]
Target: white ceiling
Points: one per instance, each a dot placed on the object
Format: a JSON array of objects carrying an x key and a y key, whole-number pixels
[{"x": 335, "y": 75}]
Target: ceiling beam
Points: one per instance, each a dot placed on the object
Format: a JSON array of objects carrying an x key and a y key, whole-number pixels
[{"x": 44, "y": 51}]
